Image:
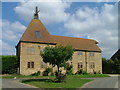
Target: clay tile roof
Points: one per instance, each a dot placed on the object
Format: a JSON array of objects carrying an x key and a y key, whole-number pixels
[
  {"x": 30, "y": 33},
  {"x": 77, "y": 43}
]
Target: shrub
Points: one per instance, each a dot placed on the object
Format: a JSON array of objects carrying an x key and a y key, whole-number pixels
[
  {"x": 36, "y": 73},
  {"x": 99, "y": 72},
  {"x": 94, "y": 72},
  {"x": 84, "y": 72},
  {"x": 10, "y": 64},
  {"x": 60, "y": 78},
  {"x": 56, "y": 73},
  {"x": 81, "y": 72},
  {"x": 52, "y": 74},
  {"x": 69, "y": 72},
  {"x": 68, "y": 68},
  {"x": 47, "y": 71}
]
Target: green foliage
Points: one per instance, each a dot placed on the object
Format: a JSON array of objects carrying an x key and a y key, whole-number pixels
[
  {"x": 111, "y": 66},
  {"x": 56, "y": 73},
  {"x": 60, "y": 78},
  {"x": 81, "y": 72},
  {"x": 36, "y": 73},
  {"x": 68, "y": 68},
  {"x": 116, "y": 66},
  {"x": 84, "y": 73},
  {"x": 47, "y": 71},
  {"x": 57, "y": 55},
  {"x": 9, "y": 64},
  {"x": 52, "y": 74}
]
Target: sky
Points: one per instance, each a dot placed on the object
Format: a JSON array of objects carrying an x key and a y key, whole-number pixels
[{"x": 92, "y": 20}]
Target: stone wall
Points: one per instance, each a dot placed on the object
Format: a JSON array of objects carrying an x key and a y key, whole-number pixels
[{"x": 25, "y": 57}]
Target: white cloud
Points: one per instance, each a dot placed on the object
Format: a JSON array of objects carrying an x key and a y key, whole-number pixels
[
  {"x": 11, "y": 30},
  {"x": 6, "y": 49},
  {"x": 94, "y": 23},
  {"x": 11, "y": 33},
  {"x": 99, "y": 25},
  {"x": 50, "y": 12}
]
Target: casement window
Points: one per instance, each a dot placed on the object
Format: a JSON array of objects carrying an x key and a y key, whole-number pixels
[
  {"x": 30, "y": 65},
  {"x": 80, "y": 53},
  {"x": 80, "y": 65},
  {"x": 92, "y": 65},
  {"x": 91, "y": 53},
  {"x": 31, "y": 50},
  {"x": 38, "y": 34}
]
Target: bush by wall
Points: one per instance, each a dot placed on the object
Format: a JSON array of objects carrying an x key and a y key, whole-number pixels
[
  {"x": 36, "y": 73},
  {"x": 69, "y": 68},
  {"x": 47, "y": 71},
  {"x": 9, "y": 64}
]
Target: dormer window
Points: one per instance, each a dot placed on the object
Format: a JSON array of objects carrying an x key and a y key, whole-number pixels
[{"x": 37, "y": 34}]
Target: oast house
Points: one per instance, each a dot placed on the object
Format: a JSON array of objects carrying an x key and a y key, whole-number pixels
[{"x": 87, "y": 54}]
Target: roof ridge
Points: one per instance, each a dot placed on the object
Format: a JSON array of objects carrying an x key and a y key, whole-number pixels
[{"x": 74, "y": 37}]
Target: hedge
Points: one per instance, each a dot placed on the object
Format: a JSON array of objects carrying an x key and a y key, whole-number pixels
[{"x": 9, "y": 64}]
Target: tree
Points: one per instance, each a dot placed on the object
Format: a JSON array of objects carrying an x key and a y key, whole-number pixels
[
  {"x": 116, "y": 66},
  {"x": 9, "y": 64},
  {"x": 57, "y": 56},
  {"x": 111, "y": 66},
  {"x": 68, "y": 68},
  {"x": 104, "y": 65}
]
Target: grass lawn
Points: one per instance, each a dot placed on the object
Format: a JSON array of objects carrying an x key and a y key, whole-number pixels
[
  {"x": 23, "y": 76},
  {"x": 80, "y": 76},
  {"x": 73, "y": 81}
]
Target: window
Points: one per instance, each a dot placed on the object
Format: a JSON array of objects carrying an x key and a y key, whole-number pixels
[
  {"x": 79, "y": 52},
  {"x": 31, "y": 50},
  {"x": 80, "y": 65},
  {"x": 92, "y": 65},
  {"x": 30, "y": 65},
  {"x": 37, "y": 34},
  {"x": 91, "y": 53}
]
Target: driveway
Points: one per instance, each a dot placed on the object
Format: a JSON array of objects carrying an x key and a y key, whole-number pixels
[
  {"x": 108, "y": 82},
  {"x": 12, "y": 83}
]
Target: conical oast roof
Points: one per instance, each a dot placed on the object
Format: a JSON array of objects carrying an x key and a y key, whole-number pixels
[{"x": 30, "y": 33}]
